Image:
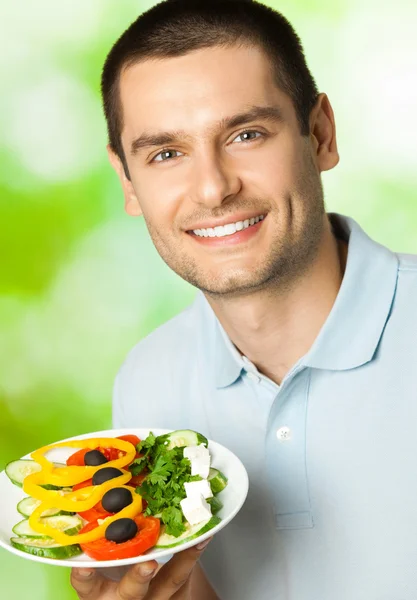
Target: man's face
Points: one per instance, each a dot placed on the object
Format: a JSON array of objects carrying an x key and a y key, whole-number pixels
[{"x": 230, "y": 207}]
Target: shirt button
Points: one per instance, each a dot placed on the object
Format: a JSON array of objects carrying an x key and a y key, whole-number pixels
[
  {"x": 284, "y": 434},
  {"x": 253, "y": 377}
]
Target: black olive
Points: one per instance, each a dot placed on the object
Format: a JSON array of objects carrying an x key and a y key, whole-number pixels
[
  {"x": 116, "y": 499},
  {"x": 105, "y": 474},
  {"x": 121, "y": 530},
  {"x": 94, "y": 458}
]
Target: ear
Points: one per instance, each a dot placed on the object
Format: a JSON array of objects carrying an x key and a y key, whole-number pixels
[
  {"x": 323, "y": 134},
  {"x": 132, "y": 205}
]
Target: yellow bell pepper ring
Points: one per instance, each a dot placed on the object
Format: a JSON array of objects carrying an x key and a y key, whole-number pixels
[
  {"x": 78, "y": 501},
  {"x": 68, "y": 476},
  {"x": 130, "y": 511}
]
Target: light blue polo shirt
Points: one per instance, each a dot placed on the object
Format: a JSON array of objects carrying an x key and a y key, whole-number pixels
[{"x": 331, "y": 453}]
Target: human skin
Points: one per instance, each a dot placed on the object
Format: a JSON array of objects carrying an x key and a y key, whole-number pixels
[
  {"x": 273, "y": 288},
  {"x": 180, "y": 579}
]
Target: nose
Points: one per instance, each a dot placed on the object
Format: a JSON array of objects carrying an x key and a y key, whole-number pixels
[{"x": 216, "y": 182}]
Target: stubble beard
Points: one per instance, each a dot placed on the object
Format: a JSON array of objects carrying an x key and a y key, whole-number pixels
[{"x": 289, "y": 257}]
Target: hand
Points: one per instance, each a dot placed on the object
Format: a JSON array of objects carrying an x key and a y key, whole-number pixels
[{"x": 141, "y": 582}]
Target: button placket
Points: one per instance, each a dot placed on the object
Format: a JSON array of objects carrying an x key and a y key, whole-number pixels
[
  {"x": 253, "y": 377},
  {"x": 284, "y": 434},
  {"x": 285, "y": 455}
]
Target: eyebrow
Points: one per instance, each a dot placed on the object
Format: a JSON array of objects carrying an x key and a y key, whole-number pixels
[{"x": 149, "y": 140}]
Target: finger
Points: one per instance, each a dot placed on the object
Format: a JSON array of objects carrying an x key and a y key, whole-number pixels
[
  {"x": 87, "y": 583},
  {"x": 184, "y": 593},
  {"x": 135, "y": 584},
  {"x": 174, "y": 575}
]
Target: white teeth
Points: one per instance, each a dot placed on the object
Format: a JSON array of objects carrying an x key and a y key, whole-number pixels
[{"x": 229, "y": 229}]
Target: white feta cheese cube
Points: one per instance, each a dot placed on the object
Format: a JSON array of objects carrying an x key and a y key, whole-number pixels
[
  {"x": 196, "y": 451},
  {"x": 195, "y": 509},
  {"x": 199, "y": 457},
  {"x": 195, "y": 488}
]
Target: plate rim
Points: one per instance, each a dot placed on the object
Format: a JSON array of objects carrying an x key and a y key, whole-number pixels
[{"x": 153, "y": 555}]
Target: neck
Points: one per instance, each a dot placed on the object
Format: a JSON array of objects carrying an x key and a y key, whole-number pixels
[{"x": 276, "y": 327}]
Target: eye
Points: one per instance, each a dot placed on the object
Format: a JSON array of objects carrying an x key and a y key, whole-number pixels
[
  {"x": 162, "y": 153},
  {"x": 169, "y": 151},
  {"x": 247, "y": 132}
]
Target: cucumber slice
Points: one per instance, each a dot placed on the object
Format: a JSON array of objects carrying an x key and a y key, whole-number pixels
[
  {"x": 185, "y": 437},
  {"x": 215, "y": 504},
  {"x": 192, "y": 531},
  {"x": 70, "y": 525},
  {"x": 217, "y": 480},
  {"x": 45, "y": 547},
  {"x": 17, "y": 470},
  {"x": 28, "y": 505}
]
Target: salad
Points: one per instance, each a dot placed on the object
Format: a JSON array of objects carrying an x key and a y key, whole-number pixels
[{"x": 115, "y": 498}]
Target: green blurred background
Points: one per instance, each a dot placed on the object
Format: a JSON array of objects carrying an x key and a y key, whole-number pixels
[{"x": 80, "y": 282}]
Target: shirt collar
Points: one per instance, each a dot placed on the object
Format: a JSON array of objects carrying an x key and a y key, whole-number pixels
[
  {"x": 353, "y": 329},
  {"x": 351, "y": 332},
  {"x": 220, "y": 354}
]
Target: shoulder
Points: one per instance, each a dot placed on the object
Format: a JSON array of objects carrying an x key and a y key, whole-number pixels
[
  {"x": 155, "y": 372},
  {"x": 403, "y": 313},
  {"x": 405, "y": 299},
  {"x": 169, "y": 343},
  {"x": 407, "y": 263}
]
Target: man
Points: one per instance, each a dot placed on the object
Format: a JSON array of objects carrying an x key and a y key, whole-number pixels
[{"x": 298, "y": 352}]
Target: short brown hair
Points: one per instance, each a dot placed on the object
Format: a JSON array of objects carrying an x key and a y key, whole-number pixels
[{"x": 176, "y": 27}]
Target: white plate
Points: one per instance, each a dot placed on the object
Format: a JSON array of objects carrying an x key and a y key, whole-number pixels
[{"x": 232, "y": 497}]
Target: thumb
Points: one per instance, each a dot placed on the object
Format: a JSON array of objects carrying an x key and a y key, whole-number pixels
[{"x": 87, "y": 583}]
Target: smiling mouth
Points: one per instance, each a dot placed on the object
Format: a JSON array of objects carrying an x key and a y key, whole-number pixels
[{"x": 228, "y": 229}]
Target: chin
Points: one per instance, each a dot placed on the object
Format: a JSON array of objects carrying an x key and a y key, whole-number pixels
[{"x": 232, "y": 285}]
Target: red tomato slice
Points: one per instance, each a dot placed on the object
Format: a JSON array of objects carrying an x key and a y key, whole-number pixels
[
  {"x": 137, "y": 479},
  {"x": 77, "y": 459},
  {"x": 92, "y": 514},
  {"x": 133, "y": 439},
  {"x": 83, "y": 484},
  {"x": 95, "y": 513},
  {"x": 112, "y": 453},
  {"x": 102, "y": 549}
]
